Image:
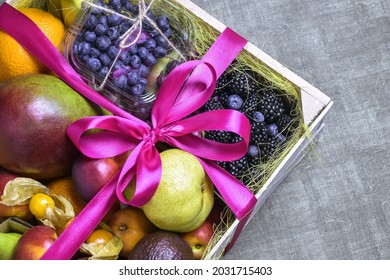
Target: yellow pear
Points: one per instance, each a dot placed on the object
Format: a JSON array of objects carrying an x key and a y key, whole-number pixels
[{"x": 185, "y": 195}]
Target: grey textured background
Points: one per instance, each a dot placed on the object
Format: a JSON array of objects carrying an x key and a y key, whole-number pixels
[{"x": 336, "y": 203}]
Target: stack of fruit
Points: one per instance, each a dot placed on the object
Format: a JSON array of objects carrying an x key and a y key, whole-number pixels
[{"x": 46, "y": 181}]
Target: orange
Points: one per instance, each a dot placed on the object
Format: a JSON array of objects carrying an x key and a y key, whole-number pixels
[
  {"x": 38, "y": 204},
  {"x": 130, "y": 225},
  {"x": 14, "y": 59},
  {"x": 99, "y": 236},
  {"x": 65, "y": 187}
]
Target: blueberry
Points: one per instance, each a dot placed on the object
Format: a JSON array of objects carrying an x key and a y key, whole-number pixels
[
  {"x": 133, "y": 49},
  {"x": 168, "y": 32},
  {"x": 113, "y": 33},
  {"x": 84, "y": 58},
  {"x": 95, "y": 11},
  {"x": 94, "y": 52},
  {"x": 114, "y": 19},
  {"x": 130, "y": 7},
  {"x": 94, "y": 64},
  {"x": 143, "y": 81},
  {"x": 161, "y": 41},
  {"x": 150, "y": 60},
  {"x": 144, "y": 71},
  {"x": 104, "y": 71},
  {"x": 234, "y": 101},
  {"x": 112, "y": 52},
  {"x": 103, "y": 43},
  {"x": 101, "y": 29},
  {"x": 89, "y": 36},
  {"x": 119, "y": 64},
  {"x": 85, "y": 48},
  {"x": 160, "y": 52},
  {"x": 258, "y": 117},
  {"x": 91, "y": 22},
  {"x": 76, "y": 48},
  {"x": 253, "y": 151},
  {"x": 272, "y": 129},
  {"x": 114, "y": 3},
  {"x": 150, "y": 44},
  {"x": 135, "y": 61},
  {"x": 121, "y": 81},
  {"x": 137, "y": 89},
  {"x": 103, "y": 20},
  {"x": 163, "y": 23},
  {"x": 124, "y": 26},
  {"x": 132, "y": 77},
  {"x": 281, "y": 138},
  {"x": 143, "y": 53},
  {"x": 125, "y": 57},
  {"x": 104, "y": 59}
]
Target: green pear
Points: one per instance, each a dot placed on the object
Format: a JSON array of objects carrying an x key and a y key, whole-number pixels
[
  {"x": 8, "y": 242},
  {"x": 70, "y": 9},
  {"x": 185, "y": 195}
]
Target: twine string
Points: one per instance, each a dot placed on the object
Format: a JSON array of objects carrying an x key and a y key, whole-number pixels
[{"x": 137, "y": 26}]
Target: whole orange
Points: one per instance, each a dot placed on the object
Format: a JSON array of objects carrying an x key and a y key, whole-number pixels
[
  {"x": 65, "y": 187},
  {"x": 14, "y": 59},
  {"x": 130, "y": 225}
]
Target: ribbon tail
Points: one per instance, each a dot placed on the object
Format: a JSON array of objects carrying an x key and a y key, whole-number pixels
[
  {"x": 224, "y": 50},
  {"x": 70, "y": 240},
  {"x": 238, "y": 197}
]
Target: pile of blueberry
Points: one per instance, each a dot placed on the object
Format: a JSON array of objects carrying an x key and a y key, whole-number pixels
[
  {"x": 270, "y": 119},
  {"x": 97, "y": 45}
]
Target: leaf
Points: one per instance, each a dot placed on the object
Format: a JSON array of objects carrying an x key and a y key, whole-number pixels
[
  {"x": 19, "y": 190},
  {"x": 107, "y": 251}
]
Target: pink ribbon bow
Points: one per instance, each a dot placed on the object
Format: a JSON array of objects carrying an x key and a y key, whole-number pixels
[{"x": 183, "y": 92}]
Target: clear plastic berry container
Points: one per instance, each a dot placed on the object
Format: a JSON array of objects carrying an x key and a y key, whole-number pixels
[{"x": 123, "y": 49}]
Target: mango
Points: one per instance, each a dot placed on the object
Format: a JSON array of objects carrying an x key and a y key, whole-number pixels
[{"x": 35, "y": 111}]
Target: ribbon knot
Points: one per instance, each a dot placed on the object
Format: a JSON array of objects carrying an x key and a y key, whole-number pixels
[{"x": 153, "y": 136}]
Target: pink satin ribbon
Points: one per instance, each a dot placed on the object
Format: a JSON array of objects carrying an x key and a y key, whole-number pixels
[{"x": 184, "y": 91}]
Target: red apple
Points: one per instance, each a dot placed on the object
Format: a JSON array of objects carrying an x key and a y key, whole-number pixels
[
  {"x": 199, "y": 238},
  {"x": 20, "y": 211},
  {"x": 90, "y": 175},
  {"x": 35, "y": 242}
]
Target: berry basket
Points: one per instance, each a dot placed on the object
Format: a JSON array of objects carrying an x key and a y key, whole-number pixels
[{"x": 121, "y": 52}]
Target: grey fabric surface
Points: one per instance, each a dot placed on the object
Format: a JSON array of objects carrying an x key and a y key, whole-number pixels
[{"x": 336, "y": 203}]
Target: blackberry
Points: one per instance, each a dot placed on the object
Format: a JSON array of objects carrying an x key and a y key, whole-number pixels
[
  {"x": 269, "y": 148},
  {"x": 219, "y": 136},
  {"x": 284, "y": 122},
  {"x": 271, "y": 105},
  {"x": 223, "y": 81},
  {"x": 251, "y": 103},
  {"x": 238, "y": 167},
  {"x": 259, "y": 133},
  {"x": 242, "y": 84},
  {"x": 212, "y": 104},
  {"x": 223, "y": 96},
  {"x": 223, "y": 164},
  {"x": 235, "y": 138}
]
